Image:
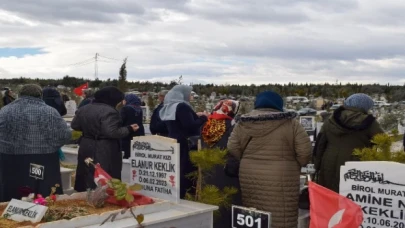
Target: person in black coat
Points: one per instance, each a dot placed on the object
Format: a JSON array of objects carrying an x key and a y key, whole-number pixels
[
  {"x": 102, "y": 129},
  {"x": 157, "y": 126},
  {"x": 182, "y": 122},
  {"x": 88, "y": 96},
  {"x": 52, "y": 98},
  {"x": 131, "y": 113},
  {"x": 215, "y": 134},
  {"x": 8, "y": 97}
]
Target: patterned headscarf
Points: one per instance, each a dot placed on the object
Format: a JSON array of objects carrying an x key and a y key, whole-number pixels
[
  {"x": 132, "y": 99},
  {"x": 215, "y": 127},
  {"x": 134, "y": 102}
]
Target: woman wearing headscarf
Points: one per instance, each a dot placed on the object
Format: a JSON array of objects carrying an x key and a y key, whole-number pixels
[
  {"x": 52, "y": 98},
  {"x": 182, "y": 122},
  {"x": 349, "y": 127},
  {"x": 272, "y": 147},
  {"x": 30, "y": 132},
  {"x": 102, "y": 129},
  {"x": 131, "y": 113},
  {"x": 215, "y": 134}
]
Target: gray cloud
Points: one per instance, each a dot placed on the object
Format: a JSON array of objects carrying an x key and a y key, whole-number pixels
[
  {"x": 226, "y": 41},
  {"x": 73, "y": 10}
]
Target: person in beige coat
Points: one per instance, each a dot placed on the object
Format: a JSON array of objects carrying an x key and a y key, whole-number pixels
[{"x": 273, "y": 147}]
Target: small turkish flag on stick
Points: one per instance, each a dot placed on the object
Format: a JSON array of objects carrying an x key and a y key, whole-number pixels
[{"x": 331, "y": 210}]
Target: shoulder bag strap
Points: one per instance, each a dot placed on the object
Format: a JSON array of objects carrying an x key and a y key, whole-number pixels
[{"x": 244, "y": 148}]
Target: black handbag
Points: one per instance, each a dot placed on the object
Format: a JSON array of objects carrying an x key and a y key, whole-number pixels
[
  {"x": 193, "y": 142},
  {"x": 232, "y": 164}
]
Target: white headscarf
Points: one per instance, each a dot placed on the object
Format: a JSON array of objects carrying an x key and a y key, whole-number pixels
[{"x": 178, "y": 94}]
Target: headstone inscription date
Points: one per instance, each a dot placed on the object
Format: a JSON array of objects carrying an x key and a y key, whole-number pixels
[
  {"x": 155, "y": 165},
  {"x": 243, "y": 217}
]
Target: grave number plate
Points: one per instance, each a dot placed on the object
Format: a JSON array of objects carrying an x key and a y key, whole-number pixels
[
  {"x": 243, "y": 217},
  {"x": 37, "y": 171}
]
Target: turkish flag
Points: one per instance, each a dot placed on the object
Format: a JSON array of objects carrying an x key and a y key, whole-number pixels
[
  {"x": 79, "y": 90},
  {"x": 330, "y": 210},
  {"x": 101, "y": 178}
]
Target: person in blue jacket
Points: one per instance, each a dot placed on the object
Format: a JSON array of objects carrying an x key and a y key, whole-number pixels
[
  {"x": 182, "y": 123},
  {"x": 131, "y": 113},
  {"x": 157, "y": 126}
]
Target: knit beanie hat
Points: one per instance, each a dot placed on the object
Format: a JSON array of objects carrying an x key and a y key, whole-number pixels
[
  {"x": 31, "y": 90},
  {"x": 360, "y": 100},
  {"x": 269, "y": 99}
]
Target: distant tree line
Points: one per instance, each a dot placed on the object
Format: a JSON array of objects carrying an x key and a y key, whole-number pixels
[{"x": 392, "y": 93}]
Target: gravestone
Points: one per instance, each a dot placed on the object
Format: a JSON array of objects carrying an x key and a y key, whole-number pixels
[
  {"x": 71, "y": 108},
  {"x": 155, "y": 164},
  {"x": 379, "y": 188}
]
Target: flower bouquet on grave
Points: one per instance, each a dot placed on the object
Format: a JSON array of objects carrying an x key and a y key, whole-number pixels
[{"x": 119, "y": 193}]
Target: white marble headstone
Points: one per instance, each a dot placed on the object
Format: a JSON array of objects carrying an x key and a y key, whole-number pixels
[
  {"x": 71, "y": 107},
  {"x": 155, "y": 164}
]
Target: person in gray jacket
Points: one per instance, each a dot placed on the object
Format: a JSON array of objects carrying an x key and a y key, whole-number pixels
[
  {"x": 101, "y": 127},
  {"x": 31, "y": 132}
]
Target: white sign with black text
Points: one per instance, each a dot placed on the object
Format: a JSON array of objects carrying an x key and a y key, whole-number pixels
[
  {"x": 379, "y": 188},
  {"x": 155, "y": 164},
  {"x": 244, "y": 217},
  {"x": 21, "y": 211},
  {"x": 37, "y": 171}
]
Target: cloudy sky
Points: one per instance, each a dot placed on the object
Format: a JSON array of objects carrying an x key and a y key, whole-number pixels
[{"x": 206, "y": 41}]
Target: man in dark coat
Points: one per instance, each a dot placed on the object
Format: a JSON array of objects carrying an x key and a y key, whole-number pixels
[
  {"x": 157, "y": 126},
  {"x": 102, "y": 129},
  {"x": 350, "y": 127},
  {"x": 30, "y": 132},
  {"x": 182, "y": 122}
]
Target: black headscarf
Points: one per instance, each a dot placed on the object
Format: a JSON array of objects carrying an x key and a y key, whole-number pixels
[
  {"x": 52, "y": 98},
  {"x": 109, "y": 95}
]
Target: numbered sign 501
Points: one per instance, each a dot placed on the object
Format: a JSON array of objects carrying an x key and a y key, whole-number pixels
[
  {"x": 243, "y": 217},
  {"x": 37, "y": 171}
]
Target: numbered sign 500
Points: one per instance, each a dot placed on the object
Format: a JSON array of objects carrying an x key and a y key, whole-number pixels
[
  {"x": 243, "y": 217},
  {"x": 37, "y": 171}
]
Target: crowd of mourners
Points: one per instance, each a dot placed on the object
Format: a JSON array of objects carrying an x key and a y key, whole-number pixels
[{"x": 269, "y": 142}]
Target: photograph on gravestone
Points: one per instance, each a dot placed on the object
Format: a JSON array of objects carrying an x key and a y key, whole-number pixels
[
  {"x": 379, "y": 188},
  {"x": 21, "y": 211},
  {"x": 308, "y": 122},
  {"x": 243, "y": 217},
  {"x": 155, "y": 164}
]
